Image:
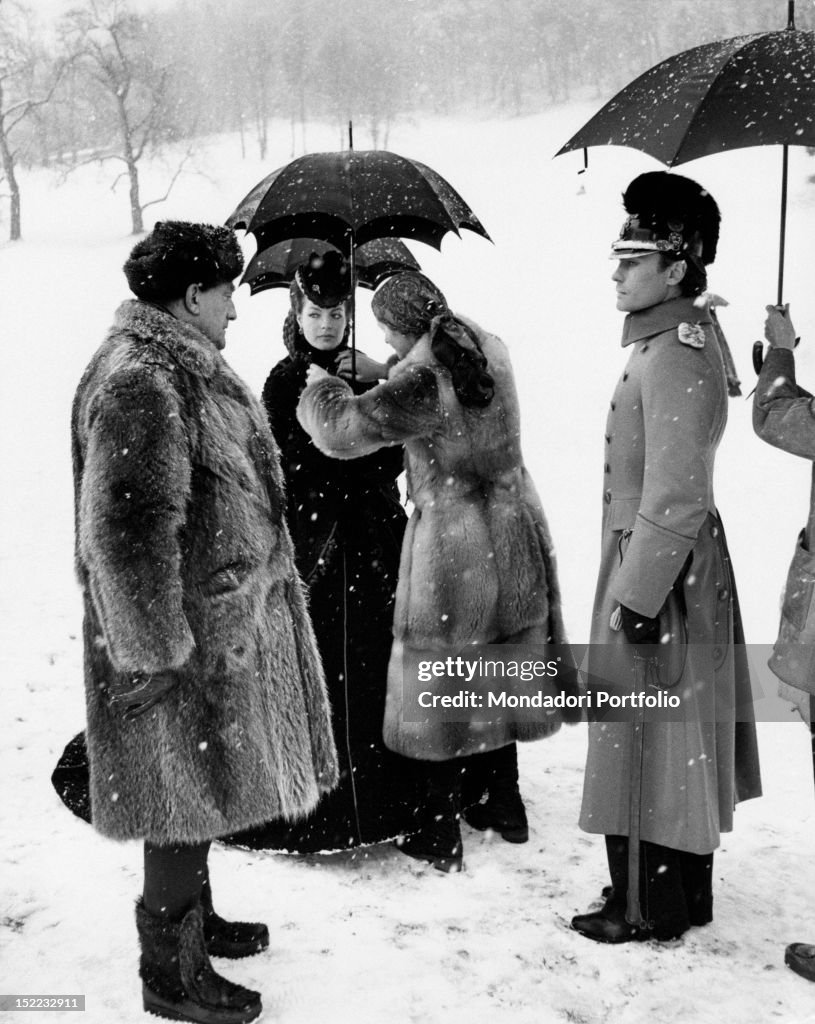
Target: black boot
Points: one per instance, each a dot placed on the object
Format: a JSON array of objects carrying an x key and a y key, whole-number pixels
[
  {"x": 438, "y": 842},
  {"x": 503, "y": 811},
  {"x": 178, "y": 980},
  {"x": 232, "y": 939}
]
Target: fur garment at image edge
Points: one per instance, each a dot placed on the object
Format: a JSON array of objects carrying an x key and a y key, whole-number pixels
[{"x": 186, "y": 565}]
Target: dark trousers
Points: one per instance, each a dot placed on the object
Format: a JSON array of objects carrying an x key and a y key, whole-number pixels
[
  {"x": 676, "y": 888},
  {"x": 174, "y": 877}
]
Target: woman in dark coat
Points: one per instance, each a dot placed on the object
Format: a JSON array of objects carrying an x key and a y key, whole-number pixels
[
  {"x": 477, "y": 565},
  {"x": 347, "y": 523}
]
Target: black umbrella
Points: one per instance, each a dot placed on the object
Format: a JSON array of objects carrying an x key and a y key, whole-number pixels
[
  {"x": 375, "y": 260},
  {"x": 753, "y": 90},
  {"x": 352, "y": 197},
  {"x": 355, "y": 194}
]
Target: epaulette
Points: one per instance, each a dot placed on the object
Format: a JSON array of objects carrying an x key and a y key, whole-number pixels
[{"x": 692, "y": 335}]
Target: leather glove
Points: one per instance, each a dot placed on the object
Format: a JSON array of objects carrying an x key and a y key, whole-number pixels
[
  {"x": 639, "y": 629},
  {"x": 146, "y": 691}
]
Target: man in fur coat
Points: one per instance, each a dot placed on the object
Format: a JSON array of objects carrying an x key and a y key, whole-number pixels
[{"x": 206, "y": 703}]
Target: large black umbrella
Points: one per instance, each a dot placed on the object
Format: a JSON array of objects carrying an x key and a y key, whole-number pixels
[
  {"x": 375, "y": 260},
  {"x": 354, "y": 195},
  {"x": 753, "y": 90},
  {"x": 351, "y": 197}
]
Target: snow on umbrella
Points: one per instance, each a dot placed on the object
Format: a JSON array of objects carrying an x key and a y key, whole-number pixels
[
  {"x": 753, "y": 90},
  {"x": 375, "y": 260},
  {"x": 352, "y": 197}
]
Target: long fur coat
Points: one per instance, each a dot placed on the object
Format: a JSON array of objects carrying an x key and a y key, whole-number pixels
[
  {"x": 477, "y": 563},
  {"x": 186, "y": 565}
]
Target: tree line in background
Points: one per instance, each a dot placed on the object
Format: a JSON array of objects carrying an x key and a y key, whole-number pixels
[{"x": 116, "y": 84}]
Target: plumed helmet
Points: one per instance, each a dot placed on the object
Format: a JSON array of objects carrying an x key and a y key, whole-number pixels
[
  {"x": 670, "y": 214},
  {"x": 177, "y": 254},
  {"x": 325, "y": 280}
]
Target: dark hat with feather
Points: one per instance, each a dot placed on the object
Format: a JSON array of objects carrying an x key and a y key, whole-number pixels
[
  {"x": 325, "y": 280},
  {"x": 670, "y": 214}
]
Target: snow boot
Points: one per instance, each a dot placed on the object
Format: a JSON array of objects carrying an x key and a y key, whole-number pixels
[
  {"x": 438, "y": 842},
  {"x": 503, "y": 811},
  {"x": 232, "y": 939},
  {"x": 178, "y": 980}
]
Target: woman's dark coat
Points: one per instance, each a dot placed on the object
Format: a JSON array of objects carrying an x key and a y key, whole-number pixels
[
  {"x": 187, "y": 567},
  {"x": 347, "y": 523}
]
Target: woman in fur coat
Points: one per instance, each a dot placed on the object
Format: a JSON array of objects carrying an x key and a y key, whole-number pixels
[
  {"x": 206, "y": 704},
  {"x": 347, "y": 523},
  {"x": 477, "y": 564}
]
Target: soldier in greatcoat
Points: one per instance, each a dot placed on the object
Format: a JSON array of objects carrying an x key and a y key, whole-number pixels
[{"x": 670, "y": 782}]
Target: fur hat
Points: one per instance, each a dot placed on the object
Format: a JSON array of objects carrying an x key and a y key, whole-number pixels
[
  {"x": 177, "y": 254},
  {"x": 670, "y": 214},
  {"x": 325, "y": 280}
]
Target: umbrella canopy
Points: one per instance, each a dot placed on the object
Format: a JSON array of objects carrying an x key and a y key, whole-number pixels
[
  {"x": 275, "y": 267},
  {"x": 358, "y": 194},
  {"x": 753, "y": 90}
]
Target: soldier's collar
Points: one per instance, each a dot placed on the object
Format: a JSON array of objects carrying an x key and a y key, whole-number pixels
[{"x": 646, "y": 323}]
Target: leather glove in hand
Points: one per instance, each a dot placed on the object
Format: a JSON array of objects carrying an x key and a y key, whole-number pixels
[
  {"x": 147, "y": 691},
  {"x": 639, "y": 629}
]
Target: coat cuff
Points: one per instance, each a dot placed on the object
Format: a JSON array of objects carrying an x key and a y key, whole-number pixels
[{"x": 651, "y": 563}]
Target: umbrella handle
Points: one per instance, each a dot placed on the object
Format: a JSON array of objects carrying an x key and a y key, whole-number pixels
[{"x": 758, "y": 355}]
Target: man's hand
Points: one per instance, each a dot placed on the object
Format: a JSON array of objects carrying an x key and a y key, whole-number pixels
[
  {"x": 146, "y": 691},
  {"x": 778, "y": 329}
]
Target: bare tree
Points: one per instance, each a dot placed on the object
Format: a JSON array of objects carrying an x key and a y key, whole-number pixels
[
  {"x": 23, "y": 90},
  {"x": 119, "y": 54}
]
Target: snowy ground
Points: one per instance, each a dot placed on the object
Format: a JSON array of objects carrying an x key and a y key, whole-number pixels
[{"x": 372, "y": 936}]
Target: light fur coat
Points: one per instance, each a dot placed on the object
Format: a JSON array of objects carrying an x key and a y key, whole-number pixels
[
  {"x": 477, "y": 562},
  {"x": 186, "y": 564}
]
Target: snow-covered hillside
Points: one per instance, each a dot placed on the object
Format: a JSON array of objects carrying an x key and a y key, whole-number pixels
[{"x": 372, "y": 936}]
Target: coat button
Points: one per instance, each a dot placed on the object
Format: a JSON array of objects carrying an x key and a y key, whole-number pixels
[
  {"x": 613, "y": 406},
  {"x": 607, "y": 497},
  {"x": 645, "y": 347},
  {"x": 723, "y": 593},
  {"x": 625, "y": 376},
  {"x": 608, "y": 468},
  {"x": 608, "y": 438},
  {"x": 717, "y": 653}
]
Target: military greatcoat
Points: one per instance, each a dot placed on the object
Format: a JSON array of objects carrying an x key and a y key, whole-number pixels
[{"x": 666, "y": 418}]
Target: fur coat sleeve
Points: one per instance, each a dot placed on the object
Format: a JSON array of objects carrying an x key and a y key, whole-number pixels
[
  {"x": 134, "y": 495},
  {"x": 346, "y": 426}
]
